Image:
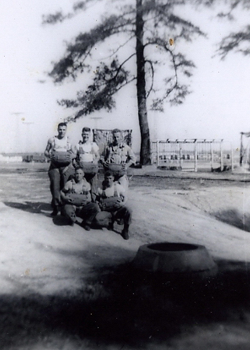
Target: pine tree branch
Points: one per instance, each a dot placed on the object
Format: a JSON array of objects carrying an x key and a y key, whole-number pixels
[
  {"x": 233, "y": 42},
  {"x": 83, "y": 45},
  {"x": 118, "y": 48}
]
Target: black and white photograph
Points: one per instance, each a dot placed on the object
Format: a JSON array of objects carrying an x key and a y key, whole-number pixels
[{"x": 125, "y": 175}]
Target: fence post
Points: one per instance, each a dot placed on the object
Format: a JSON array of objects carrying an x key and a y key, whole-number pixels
[
  {"x": 180, "y": 155},
  {"x": 212, "y": 156},
  {"x": 158, "y": 155},
  {"x": 195, "y": 155},
  {"x": 221, "y": 156},
  {"x": 152, "y": 152}
]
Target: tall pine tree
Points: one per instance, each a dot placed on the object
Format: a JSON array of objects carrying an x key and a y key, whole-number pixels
[{"x": 152, "y": 28}]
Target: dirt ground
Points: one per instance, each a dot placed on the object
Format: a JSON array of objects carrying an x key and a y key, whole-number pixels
[{"x": 65, "y": 288}]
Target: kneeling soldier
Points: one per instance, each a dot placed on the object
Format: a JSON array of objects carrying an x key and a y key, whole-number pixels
[
  {"x": 76, "y": 199},
  {"x": 111, "y": 199}
]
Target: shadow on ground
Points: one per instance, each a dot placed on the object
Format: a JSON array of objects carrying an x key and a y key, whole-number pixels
[
  {"x": 121, "y": 306},
  {"x": 30, "y": 207},
  {"x": 60, "y": 220},
  {"x": 235, "y": 218}
]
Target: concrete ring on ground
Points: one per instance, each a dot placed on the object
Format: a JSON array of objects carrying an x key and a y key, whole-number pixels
[{"x": 175, "y": 258}]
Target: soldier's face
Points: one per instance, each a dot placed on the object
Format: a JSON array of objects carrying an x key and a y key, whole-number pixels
[
  {"x": 109, "y": 180},
  {"x": 62, "y": 131},
  {"x": 117, "y": 138},
  {"x": 79, "y": 174},
  {"x": 85, "y": 136}
]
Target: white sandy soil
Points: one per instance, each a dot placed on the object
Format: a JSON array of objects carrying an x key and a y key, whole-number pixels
[{"x": 46, "y": 264}]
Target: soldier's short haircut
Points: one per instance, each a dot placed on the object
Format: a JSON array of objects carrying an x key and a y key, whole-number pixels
[
  {"x": 115, "y": 131},
  {"x": 86, "y": 129},
  {"x": 79, "y": 168},
  {"x": 108, "y": 173},
  {"x": 62, "y": 124}
]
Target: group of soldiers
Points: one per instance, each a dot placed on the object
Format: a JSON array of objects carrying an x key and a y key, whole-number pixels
[{"x": 74, "y": 186}]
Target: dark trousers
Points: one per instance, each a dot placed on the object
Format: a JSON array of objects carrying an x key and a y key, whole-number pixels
[
  {"x": 124, "y": 214},
  {"x": 58, "y": 178},
  {"x": 86, "y": 212}
]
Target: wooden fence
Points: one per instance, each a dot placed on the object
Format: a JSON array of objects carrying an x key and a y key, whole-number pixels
[{"x": 193, "y": 154}]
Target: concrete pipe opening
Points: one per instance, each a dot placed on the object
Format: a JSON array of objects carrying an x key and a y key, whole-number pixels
[
  {"x": 168, "y": 247},
  {"x": 175, "y": 258}
]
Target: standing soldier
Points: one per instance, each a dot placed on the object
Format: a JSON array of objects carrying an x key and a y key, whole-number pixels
[
  {"x": 118, "y": 158},
  {"x": 60, "y": 152},
  {"x": 87, "y": 156}
]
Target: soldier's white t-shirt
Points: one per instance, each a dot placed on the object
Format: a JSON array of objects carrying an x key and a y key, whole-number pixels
[{"x": 87, "y": 151}]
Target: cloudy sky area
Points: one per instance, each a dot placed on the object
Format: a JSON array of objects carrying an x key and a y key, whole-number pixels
[{"x": 218, "y": 108}]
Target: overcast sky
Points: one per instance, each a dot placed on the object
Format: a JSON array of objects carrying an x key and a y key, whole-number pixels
[{"x": 218, "y": 108}]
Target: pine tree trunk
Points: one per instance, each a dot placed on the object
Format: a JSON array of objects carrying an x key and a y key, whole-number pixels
[{"x": 145, "y": 156}]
